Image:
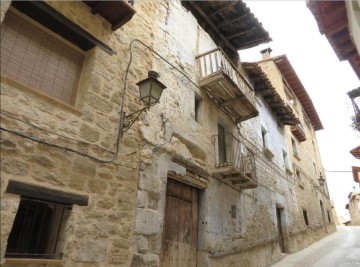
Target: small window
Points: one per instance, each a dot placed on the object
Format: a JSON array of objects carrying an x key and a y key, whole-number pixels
[
  {"x": 328, "y": 214},
  {"x": 305, "y": 217},
  {"x": 294, "y": 146},
  {"x": 313, "y": 143},
  {"x": 243, "y": 149},
  {"x": 315, "y": 170},
  {"x": 263, "y": 136},
  {"x": 233, "y": 211},
  {"x": 290, "y": 96},
  {"x": 298, "y": 175},
  {"x": 197, "y": 107},
  {"x": 38, "y": 60},
  {"x": 286, "y": 160},
  {"x": 307, "y": 121},
  {"x": 36, "y": 230}
]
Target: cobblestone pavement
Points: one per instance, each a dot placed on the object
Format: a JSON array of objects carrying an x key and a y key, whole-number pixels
[{"x": 341, "y": 249}]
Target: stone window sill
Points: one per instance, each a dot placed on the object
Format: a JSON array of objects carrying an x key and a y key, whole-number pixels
[
  {"x": 53, "y": 100},
  {"x": 44, "y": 262}
]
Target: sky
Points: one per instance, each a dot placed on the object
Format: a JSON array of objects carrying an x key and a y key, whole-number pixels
[{"x": 295, "y": 33}]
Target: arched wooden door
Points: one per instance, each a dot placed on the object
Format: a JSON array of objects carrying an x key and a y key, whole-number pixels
[{"x": 179, "y": 246}]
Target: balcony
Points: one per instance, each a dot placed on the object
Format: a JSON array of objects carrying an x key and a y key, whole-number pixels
[
  {"x": 299, "y": 132},
  {"x": 225, "y": 86},
  {"x": 234, "y": 162}
]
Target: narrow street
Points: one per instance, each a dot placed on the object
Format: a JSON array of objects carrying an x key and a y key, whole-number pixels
[{"x": 341, "y": 249}]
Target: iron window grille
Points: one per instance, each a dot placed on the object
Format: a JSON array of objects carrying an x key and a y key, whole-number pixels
[{"x": 36, "y": 230}]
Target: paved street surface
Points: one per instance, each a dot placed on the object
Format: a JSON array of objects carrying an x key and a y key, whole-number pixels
[{"x": 341, "y": 249}]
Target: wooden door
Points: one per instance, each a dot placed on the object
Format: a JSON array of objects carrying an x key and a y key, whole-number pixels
[
  {"x": 281, "y": 237},
  {"x": 179, "y": 247}
]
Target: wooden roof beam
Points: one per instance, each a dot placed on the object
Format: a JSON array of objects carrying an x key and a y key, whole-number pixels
[
  {"x": 241, "y": 33},
  {"x": 227, "y": 22},
  {"x": 230, "y": 4}
]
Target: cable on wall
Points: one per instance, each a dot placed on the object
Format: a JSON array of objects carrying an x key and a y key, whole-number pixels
[{"x": 117, "y": 145}]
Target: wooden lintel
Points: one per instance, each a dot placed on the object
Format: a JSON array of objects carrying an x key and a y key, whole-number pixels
[
  {"x": 186, "y": 179},
  {"x": 46, "y": 194}
]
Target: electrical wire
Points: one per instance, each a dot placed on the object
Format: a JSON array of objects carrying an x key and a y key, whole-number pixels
[
  {"x": 337, "y": 171},
  {"x": 121, "y": 112}
]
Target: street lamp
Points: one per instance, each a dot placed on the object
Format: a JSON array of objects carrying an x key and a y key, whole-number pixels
[
  {"x": 150, "y": 93},
  {"x": 321, "y": 181},
  {"x": 150, "y": 89}
]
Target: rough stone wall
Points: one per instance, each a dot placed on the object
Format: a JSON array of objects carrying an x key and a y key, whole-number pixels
[
  {"x": 100, "y": 234},
  {"x": 106, "y": 232},
  {"x": 251, "y": 238}
]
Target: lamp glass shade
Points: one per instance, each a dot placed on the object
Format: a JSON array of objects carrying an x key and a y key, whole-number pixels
[
  {"x": 321, "y": 181},
  {"x": 150, "y": 90}
]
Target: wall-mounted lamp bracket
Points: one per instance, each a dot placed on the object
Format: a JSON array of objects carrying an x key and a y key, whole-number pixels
[{"x": 128, "y": 120}]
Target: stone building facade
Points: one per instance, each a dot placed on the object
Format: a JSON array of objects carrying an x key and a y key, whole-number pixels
[{"x": 207, "y": 177}]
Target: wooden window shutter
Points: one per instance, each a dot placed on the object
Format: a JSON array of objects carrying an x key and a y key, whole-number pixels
[{"x": 38, "y": 60}]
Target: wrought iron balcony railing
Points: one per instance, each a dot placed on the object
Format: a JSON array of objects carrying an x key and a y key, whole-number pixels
[{"x": 234, "y": 162}]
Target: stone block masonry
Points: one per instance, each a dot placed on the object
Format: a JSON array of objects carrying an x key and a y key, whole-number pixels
[{"x": 123, "y": 223}]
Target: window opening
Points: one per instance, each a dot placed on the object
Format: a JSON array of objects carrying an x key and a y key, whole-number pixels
[
  {"x": 328, "y": 214},
  {"x": 221, "y": 144},
  {"x": 285, "y": 159},
  {"x": 233, "y": 211},
  {"x": 197, "y": 107},
  {"x": 315, "y": 171},
  {"x": 305, "y": 217},
  {"x": 263, "y": 136},
  {"x": 36, "y": 230},
  {"x": 294, "y": 146}
]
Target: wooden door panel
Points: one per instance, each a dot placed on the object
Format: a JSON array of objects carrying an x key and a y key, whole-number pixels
[{"x": 179, "y": 248}]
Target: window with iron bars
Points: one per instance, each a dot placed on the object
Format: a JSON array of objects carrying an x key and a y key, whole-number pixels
[{"x": 37, "y": 229}]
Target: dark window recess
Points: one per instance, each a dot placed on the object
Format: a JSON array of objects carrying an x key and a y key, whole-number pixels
[
  {"x": 36, "y": 230},
  {"x": 197, "y": 106},
  {"x": 58, "y": 23},
  {"x": 263, "y": 136},
  {"x": 305, "y": 217},
  {"x": 221, "y": 145},
  {"x": 328, "y": 214},
  {"x": 233, "y": 211}
]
